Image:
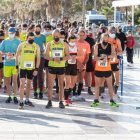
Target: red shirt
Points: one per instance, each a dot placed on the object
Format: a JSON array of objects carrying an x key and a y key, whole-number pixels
[{"x": 130, "y": 41}]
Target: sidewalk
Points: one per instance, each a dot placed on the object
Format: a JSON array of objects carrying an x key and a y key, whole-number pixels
[{"x": 79, "y": 121}]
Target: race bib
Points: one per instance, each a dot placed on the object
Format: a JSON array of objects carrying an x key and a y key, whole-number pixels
[
  {"x": 72, "y": 60},
  {"x": 57, "y": 53},
  {"x": 102, "y": 64},
  {"x": 28, "y": 64}
]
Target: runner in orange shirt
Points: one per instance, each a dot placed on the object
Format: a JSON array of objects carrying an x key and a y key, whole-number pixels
[{"x": 84, "y": 47}]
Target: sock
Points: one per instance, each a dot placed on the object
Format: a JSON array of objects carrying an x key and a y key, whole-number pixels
[{"x": 66, "y": 93}]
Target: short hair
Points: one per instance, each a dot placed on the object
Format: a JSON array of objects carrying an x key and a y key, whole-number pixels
[
  {"x": 55, "y": 31},
  {"x": 24, "y": 25},
  {"x": 30, "y": 34},
  {"x": 82, "y": 31},
  {"x": 47, "y": 26},
  {"x": 71, "y": 37},
  {"x": 38, "y": 25},
  {"x": 104, "y": 34}
]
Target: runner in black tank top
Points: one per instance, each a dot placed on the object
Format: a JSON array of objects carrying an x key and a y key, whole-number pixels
[{"x": 103, "y": 52}]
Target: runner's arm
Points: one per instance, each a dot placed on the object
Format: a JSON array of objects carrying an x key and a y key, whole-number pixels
[
  {"x": 119, "y": 52},
  {"x": 67, "y": 55},
  {"x": 47, "y": 51},
  {"x": 18, "y": 54},
  {"x": 96, "y": 58}
]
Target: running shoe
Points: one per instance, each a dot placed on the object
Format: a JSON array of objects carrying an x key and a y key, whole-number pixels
[
  {"x": 67, "y": 102},
  {"x": 61, "y": 105},
  {"x": 49, "y": 105},
  {"x": 8, "y": 100},
  {"x": 21, "y": 105},
  {"x": 113, "y": 103},
  {"x": 95, "y": 103},
  {"x": 89, "y": 91},
  {"x": 15, "y": 100},
  {"x": 40, "y": 95},
  {"x": 35, "y": 95},
  {"x": 29, "y": 103}
]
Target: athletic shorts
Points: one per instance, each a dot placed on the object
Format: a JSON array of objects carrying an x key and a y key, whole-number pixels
[
  {"x": 1, "y": 65},
  {"x": 9, "y": 71},
  {"x": 115, "y": 67},
  {"x": 101, "y": 74},
  {"x": 57, "y": 71},
  {"x": 26, "y": 74},
  {"x": 89, "y": 66},
  {"x": 71, "y": 69},
  {"x": 46, "y": 63}
]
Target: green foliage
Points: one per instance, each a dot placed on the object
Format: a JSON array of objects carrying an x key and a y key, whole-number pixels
[{"x": 137, "y": 16}]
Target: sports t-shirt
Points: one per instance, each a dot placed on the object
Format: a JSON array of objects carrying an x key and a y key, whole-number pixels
[
  {"x": 85, "y": 49},
  {"x": 40, "y": 42},
  {"x": 9, "y": 46}
]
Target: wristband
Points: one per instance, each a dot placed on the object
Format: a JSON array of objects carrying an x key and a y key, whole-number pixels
[{"x": 17, "y": 67}]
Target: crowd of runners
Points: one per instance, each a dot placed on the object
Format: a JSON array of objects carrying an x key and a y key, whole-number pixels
[{"x": 59, "y": 54}]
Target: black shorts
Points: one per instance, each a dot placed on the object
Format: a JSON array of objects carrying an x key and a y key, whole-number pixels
[
  {"x": 101, "y": 74},
  {"x": 26, "y": 74},
  {"x": 57, "y": 71},
  {"x": 115, "y": 67},
  {"x": 71, "y": 69},
  {"x": 89, "y": 66},
  {"x": 1, "y": 65},
  {"x": 46, "y": 63}
]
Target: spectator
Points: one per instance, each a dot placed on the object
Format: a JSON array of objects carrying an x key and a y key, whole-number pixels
[{"x": 129, "y": 47}]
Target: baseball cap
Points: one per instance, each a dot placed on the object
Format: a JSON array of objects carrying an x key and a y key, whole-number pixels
[{"x": 12, "y": 30}]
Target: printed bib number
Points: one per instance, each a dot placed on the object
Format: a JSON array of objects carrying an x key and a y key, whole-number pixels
[
  {"x": 57, "y": 53},
  {"x": 102, "y": 64},
  {"x": 28, "y": 64},
  {"x": 72, "y": 59}
]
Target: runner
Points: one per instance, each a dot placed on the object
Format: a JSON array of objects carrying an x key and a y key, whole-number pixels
[
  {"x": 89, "y": 65},
  {"x": 103, "y": 52},
  {"x": 115, "y": 61},
  {"x": 82, "y": 61},
  {"x": 38, "y": 81},
  {"x": 9, "y": 48},
  {"x": 25, "y": 57},
  {"x": 71, "y": 69},
  {"x": 57, "y": 53},
  {"x": 49, "y": 38}
]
